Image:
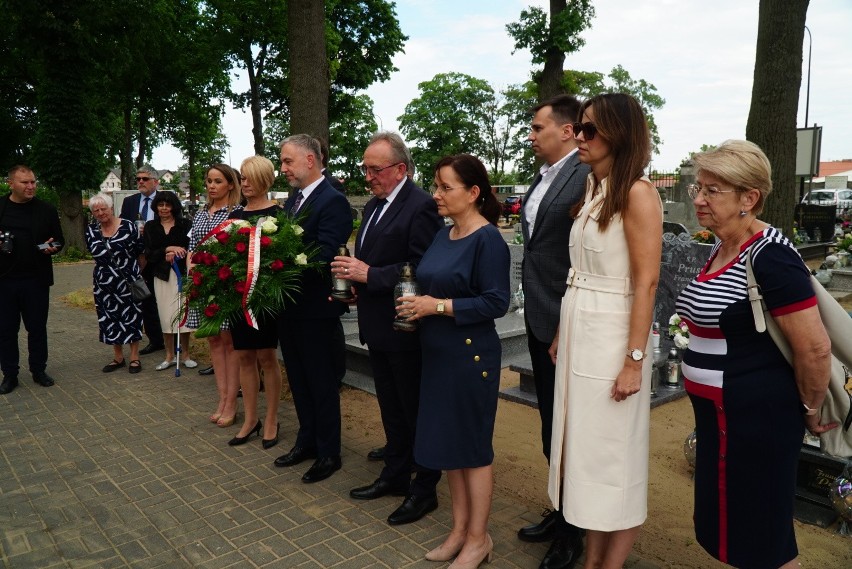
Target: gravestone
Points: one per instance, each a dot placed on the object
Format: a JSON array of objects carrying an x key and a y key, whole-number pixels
[
  {"x": 681, "y": 261},
  {"x": 516, "y": 256},
  {"x": 812, "y": 217},
  {"x": 815, "y": 473}
]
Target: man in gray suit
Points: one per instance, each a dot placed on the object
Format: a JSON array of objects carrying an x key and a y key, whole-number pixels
[{"x": 546, "y": 221}]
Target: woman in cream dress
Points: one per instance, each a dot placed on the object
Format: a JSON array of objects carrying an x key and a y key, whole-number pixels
[{"x": 601, "y": 409}]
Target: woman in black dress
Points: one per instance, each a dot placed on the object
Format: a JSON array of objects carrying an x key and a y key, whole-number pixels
[
  {"x": 464, "y": 278},
  {"x": 115, "y": 245},
  {"x": 251, "y": 346},
  {"x": 166, "y": 240}
]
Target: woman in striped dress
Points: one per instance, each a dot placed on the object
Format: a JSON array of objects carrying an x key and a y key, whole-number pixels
[
  {"x": 223, "y": 196},
  {"x": 751, "y": 407}
]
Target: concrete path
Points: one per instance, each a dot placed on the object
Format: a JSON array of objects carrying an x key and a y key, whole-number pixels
[{"x": 120, "y": 470}]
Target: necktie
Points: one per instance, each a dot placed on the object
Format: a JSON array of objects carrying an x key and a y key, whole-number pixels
[
  {"x": 144, "y": 213},
  {"x": 297, "y": 203},
  {"x": 380, "y": 205}
]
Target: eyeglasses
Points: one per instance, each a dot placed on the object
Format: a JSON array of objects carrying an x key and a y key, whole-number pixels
[
  {"x": 709, "y": 193},
  {"x": 588, "y": 129},
  {"x": 433, "y": 189},
  {"x": 374, "y": 170},
  {"x": 142, "y": 178}
]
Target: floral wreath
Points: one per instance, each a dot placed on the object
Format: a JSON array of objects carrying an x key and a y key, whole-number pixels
[{"x": 244, "y": 268}]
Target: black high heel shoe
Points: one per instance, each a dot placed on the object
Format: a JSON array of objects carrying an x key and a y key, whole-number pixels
[
  {"x": 236, "y": 441},
  {"x": 269, "y": 443}
]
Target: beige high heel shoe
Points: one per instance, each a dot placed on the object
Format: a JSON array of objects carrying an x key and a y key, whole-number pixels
[
  {"x": 442, "y": 553},
  {"x": 474, "y": 564}
]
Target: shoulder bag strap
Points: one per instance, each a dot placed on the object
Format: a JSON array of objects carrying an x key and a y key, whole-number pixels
[{"x": 762, "y": 319}]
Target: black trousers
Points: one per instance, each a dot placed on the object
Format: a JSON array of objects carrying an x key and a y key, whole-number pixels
[
  {"x": 151, "y": 316},
  {"x": 397, "y": 379},
  {"x": 23, "y": 299},
  {"x": 308, "y": 349},
  {"x": 544, "y": 373}
]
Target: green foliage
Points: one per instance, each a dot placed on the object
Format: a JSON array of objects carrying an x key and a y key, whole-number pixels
[
  {"x": 43, "y": 193},
  {"x": 588, "y": 84},
  {"x": 352, "y": 125},
  {"x": 562, "y": 33},
  {"x": 447, "y": 118},
  {"x": 704, "y": 148},
  {"x": 72, "y": 254}
]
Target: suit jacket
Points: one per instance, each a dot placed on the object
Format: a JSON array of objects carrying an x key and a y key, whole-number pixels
[
  {"x": 404, "y": 232},
  {"x": 130, "y": 206},
  {"x": 546, "y": 259},
  {"x": 327, "y": 221}
]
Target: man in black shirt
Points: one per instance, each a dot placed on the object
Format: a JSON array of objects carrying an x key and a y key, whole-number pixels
[{"x": 30, "y": 235}]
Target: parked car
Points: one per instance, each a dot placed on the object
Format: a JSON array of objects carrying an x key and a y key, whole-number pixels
[
  {"x": 837, "y": 198},
  {"x": 511, "y": 206}
]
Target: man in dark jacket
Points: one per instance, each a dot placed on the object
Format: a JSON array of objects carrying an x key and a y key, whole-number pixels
[{"x": 30, "y": 235}]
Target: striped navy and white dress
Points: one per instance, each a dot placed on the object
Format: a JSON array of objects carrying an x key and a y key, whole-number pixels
[{"x": 747, "y": 409}]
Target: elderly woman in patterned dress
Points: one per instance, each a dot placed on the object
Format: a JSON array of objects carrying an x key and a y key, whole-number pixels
[
  {"x": 223, "y": 195},
  {"x": 115, "y": 245}
]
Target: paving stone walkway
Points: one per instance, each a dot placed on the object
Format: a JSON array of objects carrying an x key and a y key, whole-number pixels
[{"x": 120, "y": 470}]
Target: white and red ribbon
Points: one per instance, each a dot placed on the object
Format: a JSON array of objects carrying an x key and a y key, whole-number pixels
[{"x": 252, "y": 272}]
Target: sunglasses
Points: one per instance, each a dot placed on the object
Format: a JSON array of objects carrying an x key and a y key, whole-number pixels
[
  {"x": 587, "y": 129},
  {"x": 142, "y": 178}
]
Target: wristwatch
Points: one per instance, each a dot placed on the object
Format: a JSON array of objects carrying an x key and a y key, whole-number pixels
[
  {"x": 440, "y": 307},
  {"x": 808, "y": 411},
  {"x": 636, "y": 354}
]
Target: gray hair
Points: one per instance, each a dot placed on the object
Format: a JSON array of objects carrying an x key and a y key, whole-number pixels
[
  {"x": 305, "y": 142},
  {"x": 101, "y": 198},
  {"x": 398, "y": 148}
]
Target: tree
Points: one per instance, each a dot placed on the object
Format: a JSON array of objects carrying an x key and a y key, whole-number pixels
[
  {"x": 309, "y": 79},
  {"x": 549, "y": 42},
  {"x": 352, "y": 126},
  {"x": 586, "y": 85},
  {"x": 775, "y": 100},
  {"x": 446, "y": 118}
]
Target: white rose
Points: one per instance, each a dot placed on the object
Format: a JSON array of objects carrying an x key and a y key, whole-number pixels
[
  {"x": 241, "y": 223},
  {"x": 297, "y": 229},
  {"x": 268, "y": 226},
  {"x": 674, "y": 320},
  {"x": 301, "y": 259},
  {"x": 681, "y": 341}
]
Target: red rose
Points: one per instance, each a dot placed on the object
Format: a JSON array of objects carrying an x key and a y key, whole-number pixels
[
  {"x": 224, "y": 273},
  {"x": 198, "y": 257},
  {"x": 197, "y": 278},
  {"x": 211, "y": 310},
  {"x": 212, "y": 259},
  {"x": 222, "y": 237},
  {"x": 265, "y": 241},
  {"x": 240, "y": 287},
  {"x": 241, "y": 247},
  {"x": 244, "y": 230},
  {"x": 276, "y": 265},
  {"x": 193, "y": 294}
]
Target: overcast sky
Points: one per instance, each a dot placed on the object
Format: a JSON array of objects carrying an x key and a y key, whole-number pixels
[{"x": 699, "y": 55}]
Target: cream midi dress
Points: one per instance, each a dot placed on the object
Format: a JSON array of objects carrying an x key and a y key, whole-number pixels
[{"x": 599, "y": 448}]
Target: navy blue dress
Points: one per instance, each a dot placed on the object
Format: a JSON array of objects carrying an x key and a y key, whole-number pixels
[{"x": 461, "y": 354}]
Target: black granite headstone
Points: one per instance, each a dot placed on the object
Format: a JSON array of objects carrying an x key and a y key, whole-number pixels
[
  {"x": 682, "y": 259},
  {"x": 815, "y": 474}
]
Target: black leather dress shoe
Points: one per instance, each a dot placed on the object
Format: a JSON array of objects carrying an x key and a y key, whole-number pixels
[
  {"x": 412, "y": 509},
  {"x": 321, "y": 469},
  {"x": 151, "y": 348},
  {"x": 295, "y": 456},
  {"x": 206, "y": 371},
  {"x": 376, "y": 455},
  {"x": 9, "y": 384},
  {"x": 378, "y": 489},
  {"x": 542, "y": 531},
  {"x": 43, "y": 379},
  {"x": 563, "y": 552}
]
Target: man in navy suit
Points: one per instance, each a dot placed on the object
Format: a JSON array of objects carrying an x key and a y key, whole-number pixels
[
  {"x": 138, "y": 209},
  {"x": 546, "y": 222},
  {"x": 400, "y": 222},
  {"x": 306, "y": 326}
]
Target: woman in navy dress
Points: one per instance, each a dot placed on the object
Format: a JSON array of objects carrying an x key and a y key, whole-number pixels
[
  {"x": 115, "y": 245},
  {"x": 464, "y": 280},
  {"x": 751, "y": 407},
  {"x": 255, "y": 347}
]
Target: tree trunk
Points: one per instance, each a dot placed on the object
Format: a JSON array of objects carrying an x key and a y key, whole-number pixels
[
  {"x": 126, "y": 155},
  {"x": 309, "y": 80},
  {"x": 143, "y": 134},
  {"x": 775, "y": 101},
  {"x": 550, "y": 83},
  {"x": 71, "y": 219},
  {"x": 254, "y": 104}
]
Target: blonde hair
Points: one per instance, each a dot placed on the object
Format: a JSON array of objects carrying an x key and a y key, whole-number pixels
[
  {"x": 260, "y": 171},
  {"x": 741, "y": 164},
  {"x": 233, "y": 178}
]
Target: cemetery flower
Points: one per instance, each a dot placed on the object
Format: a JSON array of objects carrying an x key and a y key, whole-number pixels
[
  {"x": 678, "y": 332},
  {"x": 226, "y": 268},
  {"x": 704, "y": 236},
  {"x": 844, "y": 243}
]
